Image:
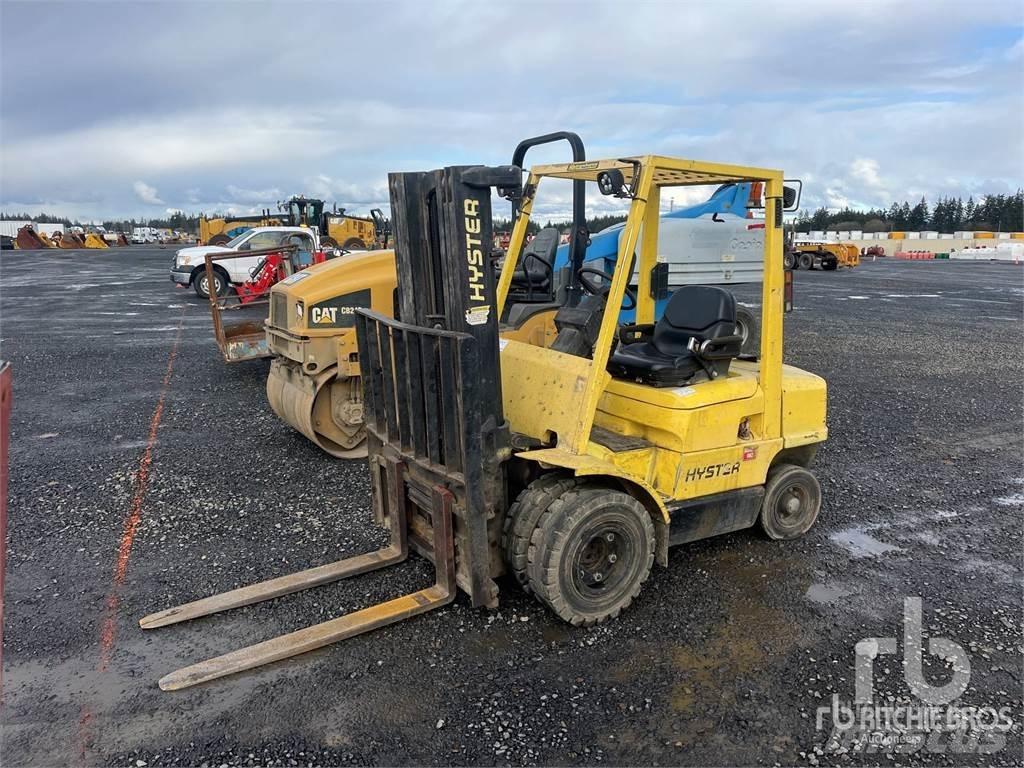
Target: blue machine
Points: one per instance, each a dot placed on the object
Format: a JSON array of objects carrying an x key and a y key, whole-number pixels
[{"x": 728, "y": 200}]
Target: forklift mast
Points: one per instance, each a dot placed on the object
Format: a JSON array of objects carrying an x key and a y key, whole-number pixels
[
  {"x": 436, "y": 431},
  {"x": 443, "y": 239}
]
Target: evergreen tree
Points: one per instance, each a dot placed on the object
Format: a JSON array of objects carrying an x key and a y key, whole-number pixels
[{"x": 918, "y": 217}]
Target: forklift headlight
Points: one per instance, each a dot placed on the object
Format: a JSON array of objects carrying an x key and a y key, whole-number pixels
[
  {"x": 300, "y": 310},
  {"x": 611, "y": 182}
]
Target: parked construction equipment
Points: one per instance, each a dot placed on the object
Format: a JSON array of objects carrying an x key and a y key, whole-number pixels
[
  {"x": 28, "y": 239},
  {"x": 337, "y": 228},
  {"x": 574, "y": 458},
  {"x": 94, "y": 240},
  {"x": 68, "y": 240},
  {"x": 821, "y": 255}
]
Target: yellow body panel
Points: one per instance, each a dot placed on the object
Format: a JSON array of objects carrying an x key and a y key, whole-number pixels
[
  {"x": 347, "y": 229},
  {"x": 320, "y": 345},
  {"x": 220, "y": 226},
  {"x": 542, "y": 390}
]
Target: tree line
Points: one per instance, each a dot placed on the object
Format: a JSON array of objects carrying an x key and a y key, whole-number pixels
[
  {"x": 995, "y": 213},
  {"x": 180, "y": 221}
]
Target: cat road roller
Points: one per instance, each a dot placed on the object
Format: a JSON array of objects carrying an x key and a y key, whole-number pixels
[
  {"x": 568, "y": 462},
  {"x": 314, "y": 384}
]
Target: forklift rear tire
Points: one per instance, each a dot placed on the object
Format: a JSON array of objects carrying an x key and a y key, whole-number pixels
[
  {"x": 806, "y": 261},
  {"x": 219, "y": 240},
  {"x": 220, "y": 284},
  {"x": 792, "y": 499},
  {"x": 590, "y": 554},
  {"x": 353, "y": 244},
  {"x": 328, "y": 242},
  {"x": 522, "y": 519}
]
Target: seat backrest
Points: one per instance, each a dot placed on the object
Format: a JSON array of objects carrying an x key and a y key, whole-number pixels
[
  {"x": 695, "y": 311},
  {"x": 544, "y": 245}
]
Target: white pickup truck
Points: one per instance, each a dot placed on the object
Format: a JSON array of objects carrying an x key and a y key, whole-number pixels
[{"x": 189, "y": 267}]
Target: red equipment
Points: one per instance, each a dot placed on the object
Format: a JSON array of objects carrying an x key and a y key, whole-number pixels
[{"x": 272, "y": 269}]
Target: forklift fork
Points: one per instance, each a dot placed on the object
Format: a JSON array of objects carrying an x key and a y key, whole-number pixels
[{"x": 285, "y": 646}]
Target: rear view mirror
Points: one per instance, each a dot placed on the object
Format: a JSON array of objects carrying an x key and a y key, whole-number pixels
[{"x": 791, "y": 191}]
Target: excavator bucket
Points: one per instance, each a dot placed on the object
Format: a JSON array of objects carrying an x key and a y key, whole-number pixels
[
  {"x": 122, "y": 241},
  {"x": 28, "y": 239},
  {"x": 70, "y": 241},
  {"x": 46, "y": 240},
  {"x": 92, "y": 240}
]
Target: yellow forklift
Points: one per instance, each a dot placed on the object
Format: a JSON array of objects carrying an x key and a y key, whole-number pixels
[{"x": 574, "y": 459}]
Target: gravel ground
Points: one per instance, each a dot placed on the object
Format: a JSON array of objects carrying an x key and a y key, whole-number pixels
[{"x": 724, "y": 658}]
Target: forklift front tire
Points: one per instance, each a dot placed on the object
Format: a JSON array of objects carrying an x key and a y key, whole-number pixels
[
  {"x": 523, "y": 516},
  {"x": 792, "y": 499},
  {"x": 590, "y": 554}
]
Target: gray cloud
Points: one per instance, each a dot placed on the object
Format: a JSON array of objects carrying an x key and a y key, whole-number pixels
[
  {"x": 218, "y": 115},
  {"x": 146, "y": 194}
]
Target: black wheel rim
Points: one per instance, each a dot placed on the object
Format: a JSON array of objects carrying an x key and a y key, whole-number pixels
[
  {"x": 792, "y": 505},
  {"x": 602, "y": 561}
]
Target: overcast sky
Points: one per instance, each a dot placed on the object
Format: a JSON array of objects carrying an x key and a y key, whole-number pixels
[{"x": 131, "y": 109}]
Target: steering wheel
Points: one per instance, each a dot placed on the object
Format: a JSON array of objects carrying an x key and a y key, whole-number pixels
[{"x": 594, "y": 289}]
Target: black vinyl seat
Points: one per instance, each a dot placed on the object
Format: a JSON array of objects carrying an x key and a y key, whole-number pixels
[
  {"x": 696, "y": 334},
  {"x": 533, "y": 276}
]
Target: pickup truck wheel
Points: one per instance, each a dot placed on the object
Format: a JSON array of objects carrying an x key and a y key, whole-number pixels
[{"x": 220, "y": 283}]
